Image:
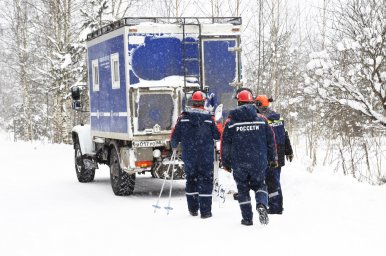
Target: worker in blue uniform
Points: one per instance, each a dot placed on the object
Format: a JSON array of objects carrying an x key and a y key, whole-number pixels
[
  {"x": 247, "y": 148},
  {"x": 196, "y": 130},
  {"x": 284, "y": 150}
]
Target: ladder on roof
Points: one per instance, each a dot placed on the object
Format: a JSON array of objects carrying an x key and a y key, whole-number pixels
[{"x": 190, "y": 62}]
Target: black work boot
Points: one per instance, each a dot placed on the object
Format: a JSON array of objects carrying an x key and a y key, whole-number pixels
[
  {"x": 270, "y": 211},
  {"x": 206, "y": 215},
  {"x": 193, "y": 213},
  {"x": 247, "y": 222},
  {"x": 263, "y": 214}
]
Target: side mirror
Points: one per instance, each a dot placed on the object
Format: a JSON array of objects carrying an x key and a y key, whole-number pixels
[
  {"x": 218, "y": 112},
  {"x": 75, "y": 93},
  {"x": 76, "y": 105}
]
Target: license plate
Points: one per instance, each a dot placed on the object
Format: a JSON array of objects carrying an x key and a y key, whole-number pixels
[{"x": 148, "y": 144}]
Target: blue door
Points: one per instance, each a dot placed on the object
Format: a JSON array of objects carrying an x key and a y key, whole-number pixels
[{"x": 220, "y": 70}]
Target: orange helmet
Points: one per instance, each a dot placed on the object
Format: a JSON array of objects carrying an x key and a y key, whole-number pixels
[
  {"x": 245, "y": 96},
  {"x": 263, "y": 101}
]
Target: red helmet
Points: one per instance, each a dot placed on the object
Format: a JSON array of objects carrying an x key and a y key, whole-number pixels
[
  {"x": 198, "y": 99},
  {"x": 244, "y": 96},
  {"x": 198, "y": 96}
]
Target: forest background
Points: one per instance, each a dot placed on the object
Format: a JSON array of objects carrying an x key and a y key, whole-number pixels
[{"x": 323, "y": 62}]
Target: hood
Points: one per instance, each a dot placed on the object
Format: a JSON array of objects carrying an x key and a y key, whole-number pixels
[
  {"x": 273, "y": 116},
  {"x": 269, "y": 113},
  {"x": 197, "y": 117},
  {"x": 244, "y": 113}
]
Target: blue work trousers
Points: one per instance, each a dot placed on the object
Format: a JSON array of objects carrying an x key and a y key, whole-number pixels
[
  {"x": 275, "y": 195},
  {"x": 247, "y": 179},
  {"x": 199, "y": 186}
]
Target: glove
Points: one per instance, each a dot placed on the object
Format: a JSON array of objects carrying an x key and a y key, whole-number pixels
[
  {"x": 227, "y": 169},
  {"x": 273, "y": 165},
  {"x": 289, "y": 157}
]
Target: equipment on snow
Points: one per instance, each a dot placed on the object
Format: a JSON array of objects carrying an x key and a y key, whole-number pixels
[
  {"x": 218, "y": 112},
  {"x": 172, "y": 162},
  {"x": 169, "y": 208},
  {"x": 219, "y": 191}
]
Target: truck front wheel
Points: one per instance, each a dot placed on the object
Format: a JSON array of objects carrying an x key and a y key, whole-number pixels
[
  {"x": 121, "y": 182},
  {"x": 84, "y": 173}
]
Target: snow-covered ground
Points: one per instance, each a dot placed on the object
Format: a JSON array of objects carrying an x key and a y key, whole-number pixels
[{"x": 44, "y": 210}]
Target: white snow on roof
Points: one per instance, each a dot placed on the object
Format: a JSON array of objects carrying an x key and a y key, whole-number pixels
[
  {"x": 169, "y": 82},
  {"x": 137, "y": 40}
]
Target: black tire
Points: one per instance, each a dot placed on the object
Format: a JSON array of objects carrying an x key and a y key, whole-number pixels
[
  {"x": 82, "y": 173},
  {"x": 159, "y": 170},
  {"x": 121, "y": 182}
]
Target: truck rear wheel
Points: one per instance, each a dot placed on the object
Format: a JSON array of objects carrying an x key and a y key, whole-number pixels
[
  {"x": 82, "y": 173},
  {"x": 121, "y": 182},
  {"x": 159, "y": 170}
]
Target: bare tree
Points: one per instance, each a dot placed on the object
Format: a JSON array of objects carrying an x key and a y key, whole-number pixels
[
  {"x": 353, "y": 71},
  {"x": 348, "y": 76}
]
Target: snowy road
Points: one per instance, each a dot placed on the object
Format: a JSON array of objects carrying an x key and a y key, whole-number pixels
[{"x": 45, "y": 211}]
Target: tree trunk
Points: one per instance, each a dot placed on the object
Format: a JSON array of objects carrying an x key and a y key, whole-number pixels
[
  {"x": 61, "y": 22},
  {"x": 22, "y": 45}
]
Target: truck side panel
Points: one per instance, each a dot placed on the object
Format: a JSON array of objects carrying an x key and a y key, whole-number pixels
[{"x": 108, "y": 104}]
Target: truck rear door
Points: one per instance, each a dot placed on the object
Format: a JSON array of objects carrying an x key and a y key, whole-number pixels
[{"x": 221, "y": 69}]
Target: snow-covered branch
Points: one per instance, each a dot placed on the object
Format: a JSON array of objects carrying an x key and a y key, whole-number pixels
[{"x": 351, "y": 71}]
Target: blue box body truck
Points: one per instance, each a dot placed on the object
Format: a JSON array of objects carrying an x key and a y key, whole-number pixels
[{"x": 141, "y": 73}]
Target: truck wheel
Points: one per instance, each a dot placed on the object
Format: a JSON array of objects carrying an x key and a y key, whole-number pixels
[
  {"x": 158, "y": 170},
  {"x": 121, "y": 182},
  {"x": 82, "y": 173}
]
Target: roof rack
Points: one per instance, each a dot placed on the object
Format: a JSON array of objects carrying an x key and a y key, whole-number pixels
[{"x": 162, "y": 20}]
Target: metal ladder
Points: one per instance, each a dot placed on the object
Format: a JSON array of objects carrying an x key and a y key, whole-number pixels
[{"x": 189, "y": 59}]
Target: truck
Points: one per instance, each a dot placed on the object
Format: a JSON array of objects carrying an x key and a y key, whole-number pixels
[{"x": 141, "y": 74}]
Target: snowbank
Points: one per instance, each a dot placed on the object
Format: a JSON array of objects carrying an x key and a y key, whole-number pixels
[{"x": 46, "y": 211}]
